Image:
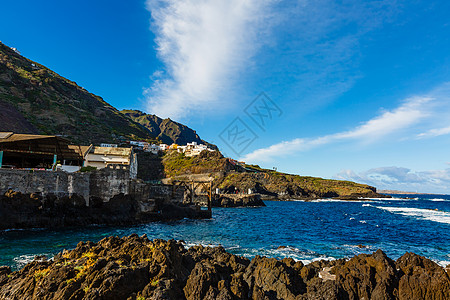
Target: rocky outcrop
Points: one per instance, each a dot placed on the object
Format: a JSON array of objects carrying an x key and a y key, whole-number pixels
[
  {"x": 135, "y": 268},
  {"x": 422, "y": 278},
  {"x": 237, "y": 200},
  {"x": 19, "y": 210}
]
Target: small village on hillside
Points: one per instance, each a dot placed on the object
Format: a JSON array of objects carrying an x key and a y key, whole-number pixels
[
  {"x": 46, "y": 152},
  {"x": 99, "y": 181}
]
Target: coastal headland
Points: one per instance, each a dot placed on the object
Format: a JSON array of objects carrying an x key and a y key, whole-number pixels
[
  {"x": 232, "y": 177},
  {"x": 134, "y": 267}
]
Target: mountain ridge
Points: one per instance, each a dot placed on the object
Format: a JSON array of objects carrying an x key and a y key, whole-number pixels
[
  {"x": 36, "y": 100},
  {"x": 166, "y": 130}
]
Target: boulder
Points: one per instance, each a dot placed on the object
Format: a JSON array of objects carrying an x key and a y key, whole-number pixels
[{"x": 422, "y": 278}]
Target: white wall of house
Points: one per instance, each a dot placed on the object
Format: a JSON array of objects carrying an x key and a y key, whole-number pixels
[
  {"x": 103, "y": 160},
  {"x": 68, "y": 169}
]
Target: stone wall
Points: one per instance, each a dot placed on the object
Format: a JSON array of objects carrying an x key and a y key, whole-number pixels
[
  {"x": 102, "y": 184},
  {"x": 44, "y": 182},
  {"x": 165, "y": 192},
  {"x": 110, "y": 181}
]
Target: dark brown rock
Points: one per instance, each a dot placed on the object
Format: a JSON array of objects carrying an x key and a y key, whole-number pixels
[
  {"x": 19, "y": 210},
  {"x": 134, "y": 267},
  {"x": 237, "y": 200},
  {"x": 422, "y": 278},
  {"x": 368, "y": 276}
]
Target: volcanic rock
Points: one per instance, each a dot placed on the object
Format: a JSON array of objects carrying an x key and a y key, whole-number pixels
[{"x": 134, "y": 267}]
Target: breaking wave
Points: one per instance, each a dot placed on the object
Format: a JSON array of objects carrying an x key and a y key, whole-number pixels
[{"x": 420, "y": 213}]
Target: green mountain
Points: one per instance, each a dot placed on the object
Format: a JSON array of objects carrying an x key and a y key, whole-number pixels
[
  {"x": 166, "y": 130},
  {"x": 34, "y": 99}
]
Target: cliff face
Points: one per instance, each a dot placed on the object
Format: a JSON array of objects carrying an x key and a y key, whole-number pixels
[
  {"x": 230, "y": 178},
  {"x": 135, "y": 268},
  {"x": 166, "y": 130}
]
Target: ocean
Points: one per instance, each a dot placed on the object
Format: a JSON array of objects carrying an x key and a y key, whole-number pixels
[{"x": 306, "y": 231}]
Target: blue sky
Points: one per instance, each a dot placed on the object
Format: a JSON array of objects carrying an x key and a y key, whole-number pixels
[{"x": 362, "y": 86}]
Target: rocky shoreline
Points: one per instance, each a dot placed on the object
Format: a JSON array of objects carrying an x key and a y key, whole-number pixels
[
  {"x": 238, "y": 200},
  {"x": 352, "y": 197},
  {"x": 136, "y": 268},
  {"x": 19, "y": 210}
]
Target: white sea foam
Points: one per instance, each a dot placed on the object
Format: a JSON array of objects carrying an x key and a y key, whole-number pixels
[
  {"x": 442, "y": 263},
  {"x": 308, "y": 261},
  {"x": 366, "y": 205},
  {"x": 22, "y": 260},
  {"x": 305, "y": 256},
  {"x": 438, "y": 200},
  {"x": 390, "y": 199},
  {"x": 420, "y": 213},
  {"x": 338, "y": 200},
  {"x": 363, "y": 222},
  {"x": 188, "y": 245}
]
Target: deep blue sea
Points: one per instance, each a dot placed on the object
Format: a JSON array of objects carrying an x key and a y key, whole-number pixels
[{"x": 321, "y": 229}]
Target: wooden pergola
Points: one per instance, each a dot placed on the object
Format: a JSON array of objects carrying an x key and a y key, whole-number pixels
[
  {"x": 193, "y": 185},
  {"x": 31, "y": 151}
]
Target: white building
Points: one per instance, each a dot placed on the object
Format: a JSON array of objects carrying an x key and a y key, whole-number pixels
[
  {"x": 139, "y": 144},
  {"x": 15, "y": 50},
  {"x": 193, "y": 149},
  {"x": 109, "y": 145},
  {"x": 154, "y": 148},
  {"x": 101, "y": 157},
  {"x": 181, "y": 149}
]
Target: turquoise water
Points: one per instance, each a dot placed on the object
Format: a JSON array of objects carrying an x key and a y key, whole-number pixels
[{"x": 323, "y": 229}]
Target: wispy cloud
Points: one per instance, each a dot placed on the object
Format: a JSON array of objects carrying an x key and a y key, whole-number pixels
[
  {"x": 398, "y": 178},
  {"x": 203, "y": 45},
  {"x": 207, "y": 47},
  {"x": 410, "y": 112},
  {"x": 435, "y": 132}
]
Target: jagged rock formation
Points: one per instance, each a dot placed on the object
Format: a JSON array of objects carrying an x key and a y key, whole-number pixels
[
  {"x": 135, "y": 268},
  {"x": 166, "y": 130},
  {"x": 239, "y": 200}
]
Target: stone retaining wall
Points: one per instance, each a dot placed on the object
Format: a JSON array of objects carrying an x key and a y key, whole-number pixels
[{"x": 103, "y": 184}]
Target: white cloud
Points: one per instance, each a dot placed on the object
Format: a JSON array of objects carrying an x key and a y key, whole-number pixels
[
  {"x": 434, "y": 132},
  {"x": 203, "y": 44},
  {"x": 410, "y": 112},
  {"x": 404, "y": 179}
]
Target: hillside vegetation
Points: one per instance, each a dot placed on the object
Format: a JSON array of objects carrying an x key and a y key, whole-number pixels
[
  {"x": 34, "y": 99},
  {"x": 47, "y": 103},
  {"x": 231, "y": 178},
  {"x": 177, "y": 164}
]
